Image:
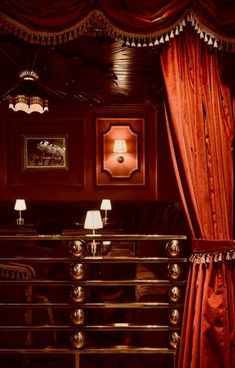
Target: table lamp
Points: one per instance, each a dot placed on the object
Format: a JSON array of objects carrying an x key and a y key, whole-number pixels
[
  {"x": 20, "y": 205},
  {"x": 106, "y": 206},
  {"x": 93, "y": 221}
]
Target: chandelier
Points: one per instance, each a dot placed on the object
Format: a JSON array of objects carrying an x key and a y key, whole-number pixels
[{"x": 28, "y": 96}]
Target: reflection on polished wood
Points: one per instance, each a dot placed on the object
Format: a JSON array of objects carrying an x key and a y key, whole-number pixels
[{"x": 98, "y": 303}]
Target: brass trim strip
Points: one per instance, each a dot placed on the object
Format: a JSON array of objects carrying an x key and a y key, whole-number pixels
[
  {"x": 94, "y": 282},
  {"x": 92, "y": 350},
  {"x": 96, "y": 259},
  {"x": 93, "y": 305}
]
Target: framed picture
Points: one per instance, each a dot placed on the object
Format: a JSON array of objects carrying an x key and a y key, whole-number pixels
[
  {"x": 45, "y": 154},
  {"x": 42, "y": 152}
]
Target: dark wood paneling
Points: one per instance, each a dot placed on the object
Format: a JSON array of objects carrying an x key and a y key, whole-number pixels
[{"x": 79, "y": 182}]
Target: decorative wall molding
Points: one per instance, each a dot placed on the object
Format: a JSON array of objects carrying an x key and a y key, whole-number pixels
[{"x": 130, "y": 169}]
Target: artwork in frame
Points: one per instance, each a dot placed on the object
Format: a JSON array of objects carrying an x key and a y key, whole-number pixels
[{"x": 42, "y": 152}]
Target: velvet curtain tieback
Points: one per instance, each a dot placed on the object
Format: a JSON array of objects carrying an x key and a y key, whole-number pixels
[{"x": 217, "y": 250}]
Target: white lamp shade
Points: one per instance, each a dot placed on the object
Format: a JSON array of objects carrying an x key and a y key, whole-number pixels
[
  {"x": 119, "y": 146},
  {"x": 93, "y": 220},
  {"x": 20, "y": 205},
  {"x": 106, "y": 204}
]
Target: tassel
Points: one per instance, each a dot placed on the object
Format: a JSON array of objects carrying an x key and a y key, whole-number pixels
[
  {"x": 167, "y": 38},
  {"x": 208, "y": 258},
  {"x": 31, "y": 39},
  {"x": 161, "y": 40},
  {"x": 220, "y": 257},
  {"x": 133, "y": 43},
  {"x": 37, "y": 41},
  {"x": 198, "y": 258},
  {"x": 75, "y": 33},
  {"x": 43, "y": 42},
  {"x": 210, "y": 41},
  {"x": 54, "y": 42},
  {"x": 176, "y": 31},
  {"x": 172, "y": 34},
  {"x": 189, "y": 17}
]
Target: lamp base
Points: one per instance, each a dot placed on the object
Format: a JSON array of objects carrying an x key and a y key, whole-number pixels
[
  {"x": 105, "y": 220},
  {"x": 20, "y": 221},
  {"x": 94, "y": 247}
]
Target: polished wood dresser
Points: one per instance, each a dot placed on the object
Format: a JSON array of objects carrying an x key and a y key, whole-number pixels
[{"x": 78, "y": 300}]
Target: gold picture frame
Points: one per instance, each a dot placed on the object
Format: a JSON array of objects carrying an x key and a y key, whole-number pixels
[{"x": 45, "y": 152}]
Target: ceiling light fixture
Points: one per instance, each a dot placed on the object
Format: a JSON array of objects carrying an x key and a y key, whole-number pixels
[{"x": 28, "y": 96}]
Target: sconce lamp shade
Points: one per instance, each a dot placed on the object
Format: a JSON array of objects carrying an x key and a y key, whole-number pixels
[
  {"x": 93, "y": 220},
  {"x": 119, "y": 146},
  {"x": 20, "y": 205},
  {"x": 28, "y": 96},
  {"x": 106, "y": 204}
]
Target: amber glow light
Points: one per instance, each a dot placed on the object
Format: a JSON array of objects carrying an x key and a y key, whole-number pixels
[
  {"x": 120, "y": 147},
  {"x": 28, "y": 96}
]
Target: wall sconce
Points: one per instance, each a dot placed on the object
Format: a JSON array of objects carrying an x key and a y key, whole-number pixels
[
  {"x": 28, "y": 96},
  {"x": 20, "y": 205},
  {"x": 93, "y": 221},
  {"x": 120, "y": 156},
  {"x": 120, "y": 147},
  {"x": 106, "y": 206}
]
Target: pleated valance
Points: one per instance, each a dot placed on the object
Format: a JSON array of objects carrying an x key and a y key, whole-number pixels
[{"x": 138, "y": 23}]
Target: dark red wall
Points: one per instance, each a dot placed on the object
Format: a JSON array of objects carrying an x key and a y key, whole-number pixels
[{"x": 79, "y": 182}]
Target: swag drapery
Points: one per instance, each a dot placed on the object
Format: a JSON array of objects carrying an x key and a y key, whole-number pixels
[{"x": 200, "y": 123}]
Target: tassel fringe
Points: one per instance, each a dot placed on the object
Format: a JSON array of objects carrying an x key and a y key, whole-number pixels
[
  {"x": 95, "y": 24},
  {"x": 215, "y": 257}
]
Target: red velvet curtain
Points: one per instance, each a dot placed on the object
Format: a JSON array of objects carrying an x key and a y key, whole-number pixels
[
  {"x": 200, "y": 124},
  {"x": 139, "y": 18}
]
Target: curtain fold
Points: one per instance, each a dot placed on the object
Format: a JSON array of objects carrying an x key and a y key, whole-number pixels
[
  {"x": 139, "y": 22},
  {"x": 200, "y": 124}
]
